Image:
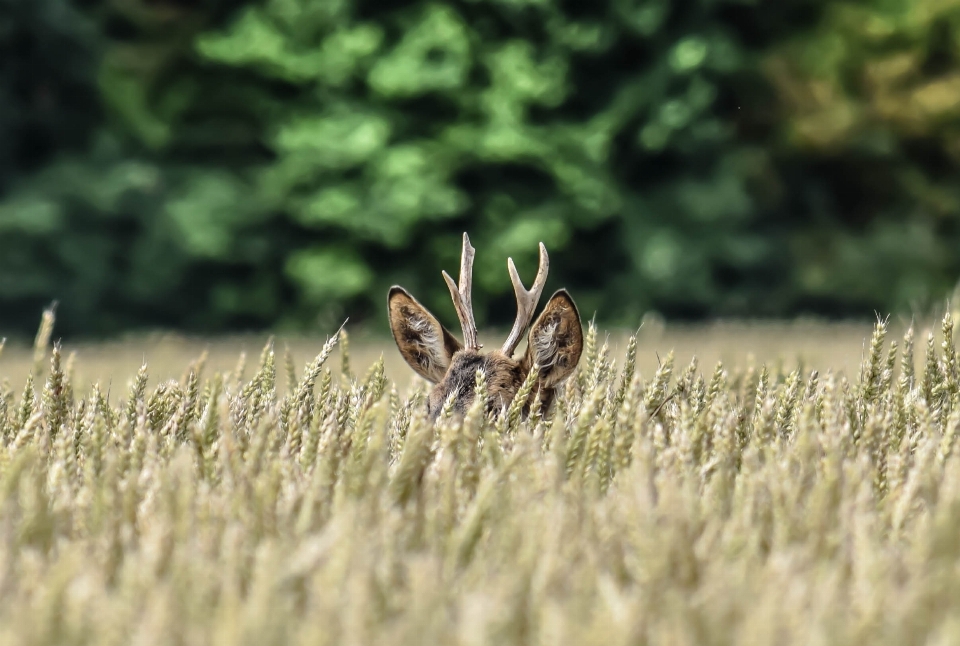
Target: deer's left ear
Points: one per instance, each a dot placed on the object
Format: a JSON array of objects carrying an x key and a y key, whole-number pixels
[
  {"x": 424, "y": 344},
  {"x": 555, "y": 341}
]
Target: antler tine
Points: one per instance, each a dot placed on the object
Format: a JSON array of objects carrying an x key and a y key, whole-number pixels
[
  {"x": 461, "y": 295},
  {"x": 526, "y": 300}
]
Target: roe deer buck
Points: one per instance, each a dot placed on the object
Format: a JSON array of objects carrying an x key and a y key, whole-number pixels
[{"x": 554, "y": 344}]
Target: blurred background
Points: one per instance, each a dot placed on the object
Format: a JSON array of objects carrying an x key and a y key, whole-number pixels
[{"x": 216, "y": 166}]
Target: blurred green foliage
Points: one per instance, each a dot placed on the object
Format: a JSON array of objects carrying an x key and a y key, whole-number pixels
[
  {"x": 871, "y": 115},
  {"x": 220, "y": 164}
]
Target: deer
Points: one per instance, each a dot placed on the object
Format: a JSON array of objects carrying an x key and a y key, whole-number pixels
[{"x": 554, "y": 344}]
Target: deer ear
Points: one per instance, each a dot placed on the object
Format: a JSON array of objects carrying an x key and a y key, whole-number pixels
[
  {"x": 424, "y": 344},
  {"x": 555, "y": 341}
]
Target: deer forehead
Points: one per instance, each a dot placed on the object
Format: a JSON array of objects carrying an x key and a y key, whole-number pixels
[
  {"x": 500, "y": 371},
  {"x": 490, "y": 363}
]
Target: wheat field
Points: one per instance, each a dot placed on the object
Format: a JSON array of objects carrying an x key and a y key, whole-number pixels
[{"x": 777, "y": 484}]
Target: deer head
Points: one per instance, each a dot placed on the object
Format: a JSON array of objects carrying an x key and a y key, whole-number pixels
[{"x": 554, "y": 343}]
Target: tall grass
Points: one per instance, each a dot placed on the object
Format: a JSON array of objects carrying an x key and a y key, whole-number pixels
[{"x": 689, "y": 506}]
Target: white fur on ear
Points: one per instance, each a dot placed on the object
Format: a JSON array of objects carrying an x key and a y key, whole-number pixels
[
  {"x": 429, "y": 342},
  {"x": 429, "y": 335},
  {"x": 545, "y": 345}
]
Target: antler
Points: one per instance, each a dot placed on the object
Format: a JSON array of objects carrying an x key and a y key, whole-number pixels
[
  {"x": 526, "y": 300},
  {"x": 461, "y": 295}
]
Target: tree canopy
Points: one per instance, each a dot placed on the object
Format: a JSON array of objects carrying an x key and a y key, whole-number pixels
[{"x": 223, "y": 164}]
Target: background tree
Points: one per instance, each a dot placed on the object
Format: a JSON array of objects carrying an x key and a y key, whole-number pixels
[
  {"x": 870, "y": 142},
  {"x": 223, "y": 164}
]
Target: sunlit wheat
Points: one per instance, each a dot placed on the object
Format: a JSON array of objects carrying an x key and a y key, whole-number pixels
[{"x": 770, "y": 505}]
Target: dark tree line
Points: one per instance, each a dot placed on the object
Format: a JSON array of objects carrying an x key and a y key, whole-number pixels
[{"x": 214, "y": 164}]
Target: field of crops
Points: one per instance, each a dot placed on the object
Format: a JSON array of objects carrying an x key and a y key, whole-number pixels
[{"x": 778, "y": 484}]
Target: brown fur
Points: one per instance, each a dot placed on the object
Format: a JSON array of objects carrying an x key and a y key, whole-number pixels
[{"x": 555, "y": 341}]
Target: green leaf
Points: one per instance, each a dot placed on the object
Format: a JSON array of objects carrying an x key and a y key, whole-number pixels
[
  {"x": 329, "y": 273},
  {"x": 433, "y": 56},
  {"x": 337, "y": 139},
  {"x": 209, "y": 211},
  {"x": 30, "y": 215},
  {"x": 688, "y": 54}
]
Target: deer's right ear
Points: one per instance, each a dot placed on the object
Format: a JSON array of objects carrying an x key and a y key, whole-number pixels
[
  {"x": 424, "y": 343},
  {"x": 556, "y": 340}
]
